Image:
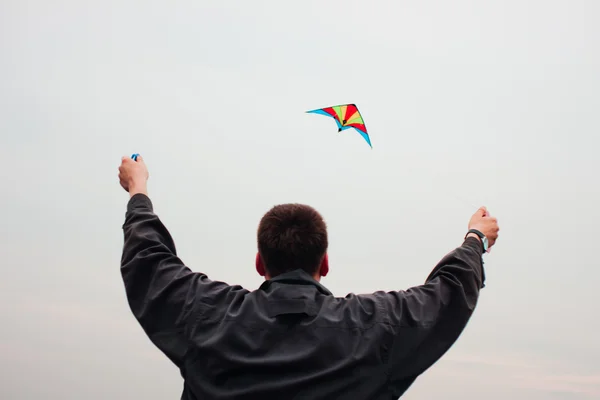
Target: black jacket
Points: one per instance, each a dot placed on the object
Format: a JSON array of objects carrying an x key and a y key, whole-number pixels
[{"x": 291, "y": 338}]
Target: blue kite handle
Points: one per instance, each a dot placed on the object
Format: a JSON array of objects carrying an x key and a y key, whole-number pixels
[{"x": 134, "y": 156}]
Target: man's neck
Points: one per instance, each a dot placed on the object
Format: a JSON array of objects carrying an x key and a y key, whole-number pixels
[{"x": 316, "y": 277}]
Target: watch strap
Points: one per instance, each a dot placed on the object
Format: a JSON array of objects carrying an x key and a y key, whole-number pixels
[
  {"x": 475, "y": 231},
  {"x": 478, "y": 233}
]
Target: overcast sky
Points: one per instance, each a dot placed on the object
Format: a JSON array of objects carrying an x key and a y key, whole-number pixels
[{"x": 468, "y": 103}]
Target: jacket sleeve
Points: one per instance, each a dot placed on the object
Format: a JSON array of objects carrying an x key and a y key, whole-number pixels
[
  {"x": 426, "y": 320},
  {"x": 161, "y": 291}
]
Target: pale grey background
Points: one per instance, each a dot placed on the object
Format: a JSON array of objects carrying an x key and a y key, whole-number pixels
[{"x": 467, "y": 102}]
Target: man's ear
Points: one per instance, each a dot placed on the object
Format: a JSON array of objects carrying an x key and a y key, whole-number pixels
[
  {"x": 260, "y": 267},
  {"x": 324, "y": 269}
]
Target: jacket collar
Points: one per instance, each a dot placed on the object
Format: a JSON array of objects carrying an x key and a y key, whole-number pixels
[{"x": 295, "y": 277}]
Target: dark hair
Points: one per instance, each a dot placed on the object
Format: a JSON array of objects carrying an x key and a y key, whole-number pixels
[{"x": 292, "y": 236}]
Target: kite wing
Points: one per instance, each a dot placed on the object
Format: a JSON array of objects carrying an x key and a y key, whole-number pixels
[{"x": 346, "y": 116}]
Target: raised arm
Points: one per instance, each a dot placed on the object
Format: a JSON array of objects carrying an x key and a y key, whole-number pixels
[
  {"x": 162, "y": 292},
  {"x": 160, "y": 289},
  {"x": 427, "y": 320}
]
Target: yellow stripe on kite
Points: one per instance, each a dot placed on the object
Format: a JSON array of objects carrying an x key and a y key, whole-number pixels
[
  {"x": 342, "y": 112},
  {"x": 355, "y": 119}
]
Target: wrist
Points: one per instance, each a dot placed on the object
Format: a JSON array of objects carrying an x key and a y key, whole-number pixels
[
  {"x": 481, "y": 238},
  {"x": 474, "y": 236},
  {"x": 137, "y": 189}
]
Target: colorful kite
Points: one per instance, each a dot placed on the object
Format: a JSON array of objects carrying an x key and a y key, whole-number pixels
[{"x": 346, "y": 116}]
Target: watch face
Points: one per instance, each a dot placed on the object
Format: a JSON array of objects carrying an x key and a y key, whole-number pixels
[{"x": 485, "y": 243}]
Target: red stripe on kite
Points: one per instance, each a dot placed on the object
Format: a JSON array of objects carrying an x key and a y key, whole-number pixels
[
  {"x": 360, "y": 127},
  {"x": 330, "y": 111},
  {"x": 350, "y": 110}
]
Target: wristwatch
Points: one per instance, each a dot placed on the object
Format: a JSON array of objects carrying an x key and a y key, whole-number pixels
[{"x": 484, "y": 240}]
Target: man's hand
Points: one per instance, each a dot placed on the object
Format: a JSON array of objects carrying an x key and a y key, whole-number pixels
[
  {"x": 486, "y": 224},
  {"x": 133, "y": 175}
]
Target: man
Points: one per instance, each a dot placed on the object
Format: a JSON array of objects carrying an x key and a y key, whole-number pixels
[{"x": 291, "y": 338}]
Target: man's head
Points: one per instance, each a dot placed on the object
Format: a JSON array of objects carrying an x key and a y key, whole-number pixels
[{"x": 292, "y": 236}]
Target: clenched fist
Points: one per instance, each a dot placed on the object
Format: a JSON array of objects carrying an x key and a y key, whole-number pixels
[
  {"x": 486, "y": 224},
  {"x": 133, "y": 175}
]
